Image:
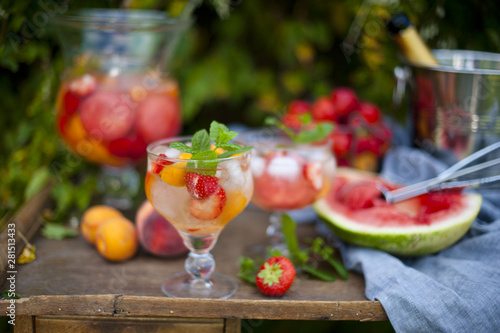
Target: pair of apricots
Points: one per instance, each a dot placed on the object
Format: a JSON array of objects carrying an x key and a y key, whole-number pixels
[
  {"x": 114, "y": 236},
  {"x": 117, "y": 238}
]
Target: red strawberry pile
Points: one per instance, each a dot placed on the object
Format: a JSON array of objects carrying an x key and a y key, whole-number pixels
[{"x": 360, "y": 137}]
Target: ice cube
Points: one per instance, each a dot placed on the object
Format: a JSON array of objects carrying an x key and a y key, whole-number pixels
[
  {"x": 233, "y": 176},
  {"x": 158, "y": 150},
  {"x": 168, "y": 200},
  {"x": 283, "y": 167},
  {"x": 172, "y": 152},
  {"x": 248, "y": 186},
  {"x": 257, "y": 166}
]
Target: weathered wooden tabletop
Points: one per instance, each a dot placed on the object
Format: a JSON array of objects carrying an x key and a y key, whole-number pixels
[{"x": 69, "y": 277}]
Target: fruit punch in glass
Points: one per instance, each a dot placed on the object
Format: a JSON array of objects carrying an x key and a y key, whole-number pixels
[
  {"x": 199, "y": 184},
  {"x": 110, "y": 120},
  {"x": 117, "y": 94},
  {"x": 290, "y": 176},
  {"x": 198, "y": 202}
]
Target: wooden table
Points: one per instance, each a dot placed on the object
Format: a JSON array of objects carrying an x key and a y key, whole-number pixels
[{"x": 71, "y": 288}]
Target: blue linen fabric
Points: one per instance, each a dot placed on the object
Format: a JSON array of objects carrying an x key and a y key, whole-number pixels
[{"x": 455, "y": 290}]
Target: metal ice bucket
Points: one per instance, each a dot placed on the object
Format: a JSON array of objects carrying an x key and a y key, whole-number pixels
[{"x": 455, "y": 107}]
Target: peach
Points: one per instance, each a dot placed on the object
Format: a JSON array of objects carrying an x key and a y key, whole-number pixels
[
  {"x": 156, "y": 235},
  {"x": 116, "y": 239},
  {"x": 94, "y": 217}
]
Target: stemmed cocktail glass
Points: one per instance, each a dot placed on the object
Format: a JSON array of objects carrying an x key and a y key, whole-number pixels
[
  {"x": 198, "y": 199},
  {"x": 287, "y": 175}
]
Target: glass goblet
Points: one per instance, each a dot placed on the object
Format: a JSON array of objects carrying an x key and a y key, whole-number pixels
[
  {"x": 287, "y": 176},
  {"x": 173, "y": 186}
]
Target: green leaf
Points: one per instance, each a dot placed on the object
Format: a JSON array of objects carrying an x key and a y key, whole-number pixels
[
  {"x": 39, "y": 179},
  {"x": 182, "y": 147},
  {"x": 214, "y": 131},
  {"x": 288, "y": 227},
  {"x": 230, "y": 146},
  {"x": 234, "y": 152},
  {"x": 322, "y": 275},
  {"x": 225, "y": 136},
  {"x": 63, "y": 194},
  {"x": 305, "y": 118},
  {"x": 201, "y": 141},
  {"x": 339, "y": 267},
  {"x": 204, "y": 163},
  {"x": 7, "y": 294},
  {"x": 318, "y": 133},
  {"x": 326, "y": 252},
  {"x": 248, "y": 269},
  {"x": 57, "y": 231},
  {"x": 272, "y": 121}
]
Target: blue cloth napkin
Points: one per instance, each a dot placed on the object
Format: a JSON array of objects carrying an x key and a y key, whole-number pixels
[{"x": 455, "y": 290}]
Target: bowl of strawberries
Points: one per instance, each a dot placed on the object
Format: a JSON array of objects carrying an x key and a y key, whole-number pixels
[{"x": 360, "y": 137}]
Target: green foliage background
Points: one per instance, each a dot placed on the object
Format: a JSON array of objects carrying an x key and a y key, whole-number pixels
[{"x": 240, "y": 60}]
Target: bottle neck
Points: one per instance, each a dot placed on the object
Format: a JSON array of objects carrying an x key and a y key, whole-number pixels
[{"x": 414, "y": 49}]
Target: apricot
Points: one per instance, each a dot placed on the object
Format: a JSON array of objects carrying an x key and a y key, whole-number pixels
[
  {"x": 94, "y": 217},
  {"x": 156, "y": 235},
  {"x": 235, "y": 204},
  {"x": 174, "y": 174},
  {"x": 116, "y": 239}
]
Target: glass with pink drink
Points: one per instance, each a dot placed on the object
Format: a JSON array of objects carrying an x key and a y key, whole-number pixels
[{"x": 288, "y": 175}]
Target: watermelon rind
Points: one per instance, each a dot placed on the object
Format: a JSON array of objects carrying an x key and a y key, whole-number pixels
[{"x": 403, "y": 241}]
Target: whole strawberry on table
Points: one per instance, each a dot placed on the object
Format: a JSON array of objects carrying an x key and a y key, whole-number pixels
[
  {"x": 360, "y": 136},
  {"x": 275, "y": 276}
]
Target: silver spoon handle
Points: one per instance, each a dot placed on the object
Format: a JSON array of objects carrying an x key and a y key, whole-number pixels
[
  {"x": 435, "y": 184},
  {"x": 466, "y": 183},
  {"x": 451, "y": 172}
]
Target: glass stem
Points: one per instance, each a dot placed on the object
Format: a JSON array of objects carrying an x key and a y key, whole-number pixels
[
  {"x": 274, "y": 231},
  {"x": 200, "y": 265}
]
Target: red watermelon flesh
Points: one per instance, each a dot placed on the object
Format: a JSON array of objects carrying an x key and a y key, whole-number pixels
[
  {"x": 357, "y": 212},
  {"x": 363, "y": 202}
]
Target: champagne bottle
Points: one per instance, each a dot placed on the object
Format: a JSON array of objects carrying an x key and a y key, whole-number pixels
[{"x": 410, "y": 42}]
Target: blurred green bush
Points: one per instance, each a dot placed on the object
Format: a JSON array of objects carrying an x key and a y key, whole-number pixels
[{"x": 254, "y": 60}]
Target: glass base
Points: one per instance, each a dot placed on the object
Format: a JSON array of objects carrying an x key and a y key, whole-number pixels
[{"x": 181, "y": 285}]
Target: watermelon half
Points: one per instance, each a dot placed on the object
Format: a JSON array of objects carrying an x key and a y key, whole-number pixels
[{"x": 357, "y": 213}]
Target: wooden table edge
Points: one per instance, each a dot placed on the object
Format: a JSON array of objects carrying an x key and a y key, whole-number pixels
[{"x": 146, "y": 306}]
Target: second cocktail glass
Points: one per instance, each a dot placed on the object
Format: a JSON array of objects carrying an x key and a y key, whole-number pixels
[
  {"x": 287, "y": 176},
  {"x": 198, "y": 201}
]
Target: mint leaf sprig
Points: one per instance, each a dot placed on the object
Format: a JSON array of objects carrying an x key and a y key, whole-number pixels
[
  {"x": 204, "y": 159},
  {"x": 300, "y": 258},
  {"x": 309, "y": 132}
]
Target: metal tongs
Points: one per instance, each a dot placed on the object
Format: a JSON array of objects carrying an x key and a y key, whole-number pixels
[{"x": 447, "y": 179}]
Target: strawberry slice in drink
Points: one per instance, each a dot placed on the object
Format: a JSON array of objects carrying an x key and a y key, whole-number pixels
[
  {"x": 314, "y": 174},
  {"x": 158, "y": 165},
  {"x": 209, "y": 208},
  {"x": 106, "y": 115},
  {"x": 201, "y": 186},
  {"x": 158, "y": 117}
]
